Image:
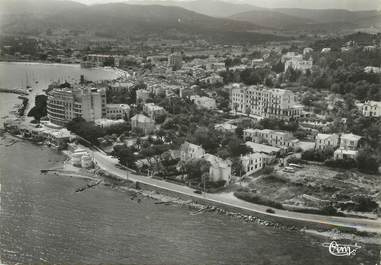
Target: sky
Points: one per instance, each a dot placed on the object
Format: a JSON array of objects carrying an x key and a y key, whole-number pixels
[{"x": 312, "y": 4}]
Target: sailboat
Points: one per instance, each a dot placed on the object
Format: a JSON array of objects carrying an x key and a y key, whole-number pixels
[{"x": 27, "y": 82}]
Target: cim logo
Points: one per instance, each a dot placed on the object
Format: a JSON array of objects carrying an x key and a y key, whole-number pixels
[{"x": 341, "y": 250}]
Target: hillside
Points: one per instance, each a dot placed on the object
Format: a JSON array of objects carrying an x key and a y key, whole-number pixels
[
  {"x": 318, "y": 20},
  {"x": 214, "y": 8},
  {"x": 271, "y": 19},
  {"x": 36, "y": 7},
  {"x": 121, "y": 20}
]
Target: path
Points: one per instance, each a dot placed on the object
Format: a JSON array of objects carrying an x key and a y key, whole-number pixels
[{"x": 108, "y": 163}]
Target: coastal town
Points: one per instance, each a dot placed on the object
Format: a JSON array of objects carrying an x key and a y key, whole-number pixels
[
  {"x": 284, "y": 132},
  {"x": 265, "y": 124}
]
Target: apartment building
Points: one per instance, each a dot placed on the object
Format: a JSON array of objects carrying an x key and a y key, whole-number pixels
[
  {"x": 212, "y": 80},
  {"x": 324, "y": 141},
  {"x": 190, "y": 151},
  {"x": 264, "y": 102},
  {"x": 142, "y": 95},
  {"x": 219, "y": 170},
  {"x": 271, "y": 137},
  {"x": 298, "y": 63},
  {"x": 118, "y": 87},
  {"x": 349, "y": 141},
  {"x": 370, "y": 108},
  {"x": 290, "y": 55},
  {"x": 146, "y": 124},
  {"x": 117, "y": 111},
  {"x": 65, "y": 104},
  {"x": 175, "y": 61},
  {"x": 254, "y": 162},
  {"x": 152, "y": 110}
]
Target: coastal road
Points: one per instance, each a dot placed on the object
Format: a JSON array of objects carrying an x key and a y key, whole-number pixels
[{"x": 108, "y": 164}]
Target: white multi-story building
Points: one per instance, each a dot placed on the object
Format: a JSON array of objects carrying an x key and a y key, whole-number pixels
[
  {"x": 213, "y": 79},
  {"x": 153, "y": 110},
  {"x": 349, "y": 141},
  {"x": 254, "y": 162},
  {"x": 146, "y": 124},
  {"x": 175, "y": 61},
  {"x": 204, "y": 102},
  {"x": 100, "y": 60},
  {"x": 120, "y": 87},
  {"x": 65, "y": 104},
  {"x": 298, "y": 63},
  {"x": 324, "y": 141},
  {"x": 117, "y": 111},
  {"x": 345, "y": 154},
  {"x": 219, "y": 169},
  {"x": 265, "y": 102},
  {"x": 271, "y": 137},
  {"x": 291, "y": 55},
  {"x": 372, "y": 69},
  {"x": 370, "y": 108},
  {"x": 349, "y": 144},
  {"x": 190, "y": 151},
  {"x": 142, "y": 95},
  {"x": 225, "y": 127}
]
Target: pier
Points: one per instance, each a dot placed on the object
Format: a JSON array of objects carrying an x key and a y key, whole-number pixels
[{"x": 14, "y": 91}]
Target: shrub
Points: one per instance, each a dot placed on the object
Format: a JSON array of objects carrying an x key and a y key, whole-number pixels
[
  {"x": 317, "y": 155},
  {"x": 276, "y": 178},
  {"x": 294, "y": 160},
  {"x": 267, "y": 170},
  {"x": 341, "y": 163}
]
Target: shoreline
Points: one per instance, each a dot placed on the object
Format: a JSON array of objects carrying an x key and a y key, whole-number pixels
[
  {"x": 136, "y": 192},
  {"x": 210, "y": 204}
]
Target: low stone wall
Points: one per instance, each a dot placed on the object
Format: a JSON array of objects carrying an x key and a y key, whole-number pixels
[
  {"x": 267, "y": 219},
  {"x": 246, "y": 215}
]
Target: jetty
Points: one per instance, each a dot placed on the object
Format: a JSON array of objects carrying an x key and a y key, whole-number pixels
[{"x": 14, "y": 91}]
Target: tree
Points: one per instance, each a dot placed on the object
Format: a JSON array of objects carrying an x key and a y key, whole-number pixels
[
  {"x": 87, "y": 130},
  {"x": 197, "y": 169},
  {"x": 125, "y": 155},
  {"x": 206, "y": 138},
  {"x": 39, "y": 110},
  {"x": 366, "y": 162},
  {"x": 237, "y": 167}
]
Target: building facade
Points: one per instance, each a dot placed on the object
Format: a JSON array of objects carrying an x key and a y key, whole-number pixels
[
  {"x": 254, "y": 162},
  {"x": 265, "y": 102},
  {"x": 146, "y": 124},
  {"x": 370, "y": 108},
  {"x": 153, "y": 111},
  {"x": 190, "y": 151},
  {"x": 349, "y": 141},
  {"x": 142, "y": 95},
  {"x": 175, "y": 61},
  {"x": 219, "y": 170},
  {"x": 298, "y": 64},
  {"x": 271, "y": 137},
  {"x": 65, "y": 104},
  {"x": 324, "y": 141},
  {"x": 117, "y": 111}
]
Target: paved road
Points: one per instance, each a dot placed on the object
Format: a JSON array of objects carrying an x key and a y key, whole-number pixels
[{"x": 108, "y": 164}]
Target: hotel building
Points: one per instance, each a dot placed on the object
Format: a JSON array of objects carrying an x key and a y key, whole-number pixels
[
  {"x": 264, "y": 102},
  {"x": 65, "y": 104}
]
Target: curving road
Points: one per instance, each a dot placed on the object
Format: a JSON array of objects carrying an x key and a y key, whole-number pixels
[{"x": 108, "y": 163}]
